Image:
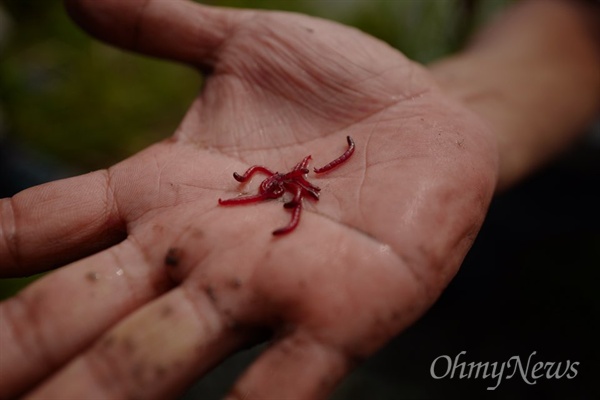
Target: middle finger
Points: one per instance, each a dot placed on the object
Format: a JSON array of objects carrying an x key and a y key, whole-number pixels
[
  {"x": 153, "y": 354},
  {"x": 59, "y": 315}
]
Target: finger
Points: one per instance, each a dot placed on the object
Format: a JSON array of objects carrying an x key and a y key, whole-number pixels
[
  {"x": 174, "y": 29},
  {"x": 52, "y": 224},
  {"x": 296, "y": 367},
  {"x": 154, "y": 354},
  {"x": 59, "y": 315}
]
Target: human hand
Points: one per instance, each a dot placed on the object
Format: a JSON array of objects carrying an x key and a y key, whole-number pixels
[{"x": 176, "y": 283}]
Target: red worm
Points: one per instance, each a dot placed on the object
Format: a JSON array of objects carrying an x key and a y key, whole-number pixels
[{"x": 338, "y": 160}]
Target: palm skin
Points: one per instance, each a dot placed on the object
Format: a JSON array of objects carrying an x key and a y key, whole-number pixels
[{"x": 193, "y": 281}]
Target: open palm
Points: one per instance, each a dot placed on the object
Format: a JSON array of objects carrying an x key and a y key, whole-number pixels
[{"x": 175, "y": 283}]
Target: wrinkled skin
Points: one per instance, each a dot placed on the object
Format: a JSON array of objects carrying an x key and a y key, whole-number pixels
[{"x": 161, "y": 283}]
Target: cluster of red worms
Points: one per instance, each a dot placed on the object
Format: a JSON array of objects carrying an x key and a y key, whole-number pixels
[{"x": 277, "y": 184}]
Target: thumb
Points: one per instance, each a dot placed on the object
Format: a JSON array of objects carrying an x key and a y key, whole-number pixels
[{"x": 178, "y": 30}]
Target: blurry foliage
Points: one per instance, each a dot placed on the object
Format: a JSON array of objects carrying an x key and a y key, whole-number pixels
[{"x": 83, "y": 102}]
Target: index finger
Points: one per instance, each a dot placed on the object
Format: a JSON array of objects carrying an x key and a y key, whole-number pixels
[{"x": 58, "y": 222}]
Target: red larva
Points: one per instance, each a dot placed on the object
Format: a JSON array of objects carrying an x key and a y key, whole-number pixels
[
  {"x": 276, "y": 184},
  {"x": 338, "y": 160}
]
